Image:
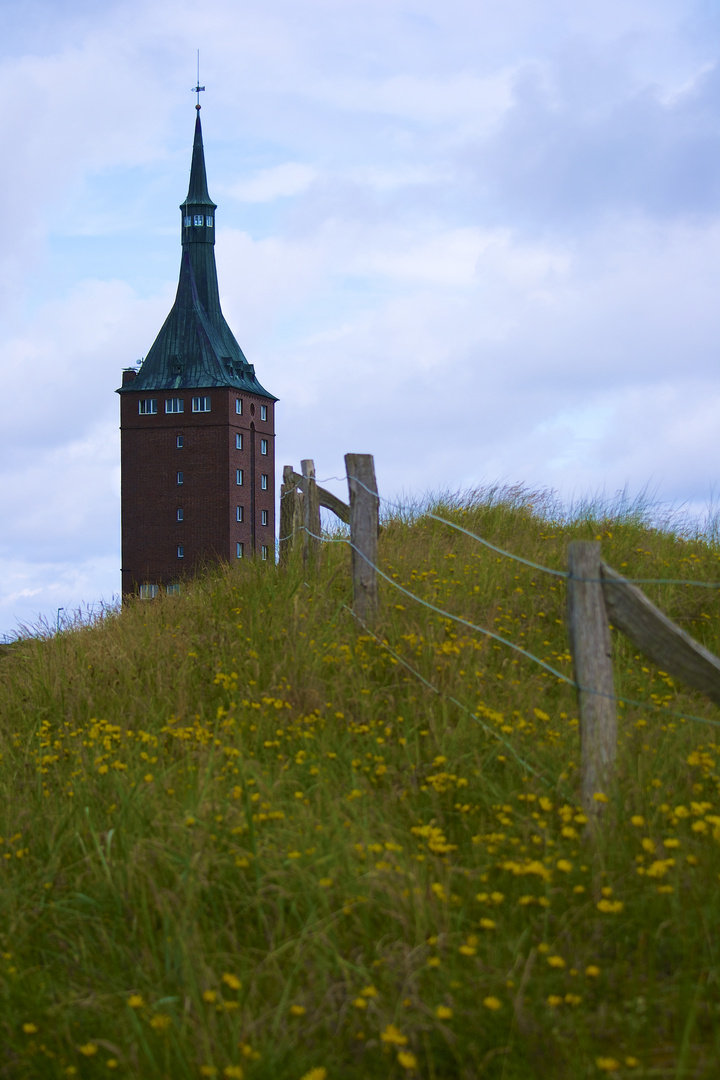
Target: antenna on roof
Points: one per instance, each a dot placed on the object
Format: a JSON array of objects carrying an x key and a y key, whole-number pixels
[{"x": 197, "y": 88}]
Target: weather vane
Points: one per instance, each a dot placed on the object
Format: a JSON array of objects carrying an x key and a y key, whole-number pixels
[{"x": 197, "y": 88}]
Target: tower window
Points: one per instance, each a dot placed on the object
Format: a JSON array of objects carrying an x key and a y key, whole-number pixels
[
  {"x": 263, "y": 446},
  {"x": 239, "y": 477},
  {"x": 181, "y": 551},
  {"x": 209, "y": 221},
  {"x": 238, "y": 513},
  {"x": 264, "y": 481},
  {"x": 238, "y": 441},
  {"x": 180, "y": 442},
  {"x": 180, "y": 514},
  {"x": 263, "y": 517},
  {"x": 201, "y": 404},
  {"x": 179, "y": 478},
  {"x": 263, "y": 412},
  {"x": 264, "y": 552},
  {"x": 239, "y": 550},
  {"x": 147, "y": 406},
  {"x": 198, "y": 219},
  {"x": 175, "y": 404},
  {"x": 148, "y": 591},
  {"x": 238, "y": 406},
  {"x": 187, "y": 221}
]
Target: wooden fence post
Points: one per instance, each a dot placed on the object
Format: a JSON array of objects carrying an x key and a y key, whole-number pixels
[
  {"x": 311, "y": 508},
  {"x": 290, "y": 512},
  {"x": 364, "y": 528},
  {"x": 592, "y": 659}
]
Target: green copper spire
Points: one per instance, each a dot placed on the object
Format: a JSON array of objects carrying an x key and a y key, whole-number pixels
[{"x": 196, "y": 347}]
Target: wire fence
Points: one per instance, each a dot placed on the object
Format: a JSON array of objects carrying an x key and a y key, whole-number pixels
[{"x": 443, "y": 613}]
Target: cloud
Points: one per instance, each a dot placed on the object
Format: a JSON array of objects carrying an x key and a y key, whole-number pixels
[{"x": 277, "y": 182}]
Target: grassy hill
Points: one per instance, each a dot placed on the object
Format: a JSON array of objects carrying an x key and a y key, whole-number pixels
[{"x": 240, "y": 837}]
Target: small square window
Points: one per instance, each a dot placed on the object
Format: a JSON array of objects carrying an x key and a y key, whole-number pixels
[
  {"x": 238, "y": 406},
  {"x": 263, "y": 412},
  {"x": 238, "y": 513},
  {"x": 173, "y": 590},
  {"x": 201, "y": 404},
  {"x": 180, "y": 515},
  {"x": 264, "y": 552},
  {"x": 148, "y": 591},
  {"x": 147, "y": 406},
  {"x": 239, "y": 550},
  {"x": 180, "y": 478},
  {"x": 239, "y": 477},
  {"x": 238, "y": 441},
  {"x": 263, "y": 446},
  {"x": 198, "y": 219},
  {"x": 175, "y": 404},
  {"x": 180, "y": 442},
  {"x": 181, "y": 551},
  {"x": 264, "y": 481},
  {"x": 263, "y": 517}
]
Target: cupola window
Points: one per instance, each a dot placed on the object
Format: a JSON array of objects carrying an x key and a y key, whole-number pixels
[
  {"x": 188, "y": 221},
  {"x": 209, "y": 221},
  {"x": 198, "y": 219}
]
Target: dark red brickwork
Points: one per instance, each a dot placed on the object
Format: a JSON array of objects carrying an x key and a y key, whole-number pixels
[{"x": 209, "y": 493}]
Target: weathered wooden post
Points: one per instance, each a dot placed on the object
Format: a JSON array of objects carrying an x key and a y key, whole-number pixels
[
  {"x": 311, "y": 511},
  {"x": 592, "y": 659},
  {"x": 290, "y": 512},
  {"x": 364, "y": 528}
]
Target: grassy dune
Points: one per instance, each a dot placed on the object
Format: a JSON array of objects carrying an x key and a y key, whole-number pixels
[{"x": 240, "y": 838}]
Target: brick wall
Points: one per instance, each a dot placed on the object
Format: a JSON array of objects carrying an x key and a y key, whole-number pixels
[{"x": 209, "y": 494}]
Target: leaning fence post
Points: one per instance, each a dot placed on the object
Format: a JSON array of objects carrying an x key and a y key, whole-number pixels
[
  {"x": 311, "y": 507},
  {"x": 364, "y": 528},
  {"x": 290, "y": 512},
  {"x": 592, "y": 659}
]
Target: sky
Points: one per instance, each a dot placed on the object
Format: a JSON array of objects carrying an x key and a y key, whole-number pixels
[{"x": 480, "y": 241}]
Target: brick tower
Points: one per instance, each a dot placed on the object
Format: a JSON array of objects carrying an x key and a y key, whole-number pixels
[{"x": 197, "y": 428}]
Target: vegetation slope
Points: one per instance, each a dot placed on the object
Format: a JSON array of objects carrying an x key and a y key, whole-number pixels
[{"x": 243, "y": 836}]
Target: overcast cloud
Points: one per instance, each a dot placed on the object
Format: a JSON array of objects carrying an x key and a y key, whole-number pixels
[{"x": 478, "y": 240}]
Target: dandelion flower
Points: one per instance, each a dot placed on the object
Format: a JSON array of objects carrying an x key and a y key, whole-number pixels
[
  {"x": 554, "y": 1000},
  {"x": 29, "y": 1029},
  {"x": 564, "y": 865},
  {"x": 160, "y": 1022},
  {"x": 208, "y": 1070},
  {"x": 573, "y": 999},
  {"x": 492, "y": 1003},
  {"x": 600, "y": 797},
  {"x": 556, "y": 961},
  {"x": 232, "y": 981},
  {"x": 443, "y": 1012},
  {"x": 209, "y": 996},
  {"x": 135, "y": 1001},
  {"x": 632, "y": 1062},
  {"x": 592, "y": 971},
  {"x": 233, "y": 1072},
  {"x": 607, "y": 1064},
  {"x": 360, "y": 1003},
  {"x": 638, "y": 820},
  {"x": 88, "y": 1049},
  {"x": 325, "y": 882},
  {"x": 297, "y": 1010},
  {"x": 393, "y": 1036},
  {"x": 318, "y": 1073},
  {"x": 611, "y": 907},
  {"x": 112, "y": 1063},
  {"x": 487, "y": 924},
  {"x": 369, "y": 991},
  {"x": 406, "y": 1059}
]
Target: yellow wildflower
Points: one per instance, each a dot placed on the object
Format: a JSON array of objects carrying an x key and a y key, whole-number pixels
[
  {"x": 393, "y": 1036},
  {"x": 297, "y": 1010},
  {"x": 638, "y": 820},
  {"x": 443, "y": 1012},
  {"x": 407, "y": 1060},
  {"x": 135, "y": 1001},
  {"x": 556, "y": 961},
  {"x": 564, "y": 865},
  {"x": 209, "y": 996},
  {"x": 232, "y": 981},
  {"x": 29, "y": 1029},
  {"x": 492, "y": 1003},
  {"x": 554, "y": 1000},
  {"x": 88, "y": 1049},
  {"x": 607, "y": 1064},
  {"x": 318, "y": 1073},
  {"x": 592, "y": 971},
  {"x": 611, "y": 907},
  {"x": 233, "y": 1072}
]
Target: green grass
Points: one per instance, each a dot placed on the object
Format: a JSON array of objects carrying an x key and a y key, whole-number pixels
[{"x": 240, "y": 837}]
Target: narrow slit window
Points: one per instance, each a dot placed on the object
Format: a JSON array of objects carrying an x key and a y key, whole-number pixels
[
  {"x": 181, "y": 551},
  {"x": 180, "y": 478},
  {"x": 263, "y": 412},
  {"x": 238, "y": 441},
  {"x": 264, "y": 551},
  {"x": 239, "y": 477},
  {"x": 209, "y": 221},
  {"x": 264, "y": 481},
  {"x": 263, "y": 517},
  {"x": 238, "y": 513},
  {"x": 263, "y": 446},
  {"x": 239, "y": 550},
  {"x": 180, "y": 515},
  {"x": 180, "y": 442},
  {"x": 238, "y": 406}
]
